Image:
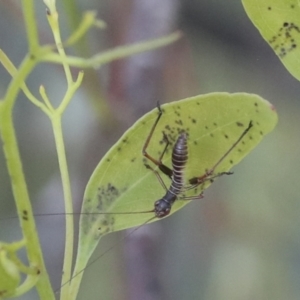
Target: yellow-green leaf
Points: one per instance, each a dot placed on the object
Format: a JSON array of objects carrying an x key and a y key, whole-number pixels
[
  {"x": 122, "y": 183},
  {"x": 278, "y": 21}
]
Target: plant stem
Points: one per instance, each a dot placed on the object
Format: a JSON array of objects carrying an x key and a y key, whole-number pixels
[
  {"x": 110, "y": 55},
  {"x": 22, "y": 200},
  {"x": 30, "y": 25},
  {"x": 63, "y": 166}
]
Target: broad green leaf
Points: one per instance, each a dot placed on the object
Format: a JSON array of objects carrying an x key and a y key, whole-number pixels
[
  {"x": 122, "y": 183},
  {"x": 278, "y": 21}
]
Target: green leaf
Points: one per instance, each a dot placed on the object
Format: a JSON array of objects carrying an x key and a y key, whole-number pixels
[
  {"x": 278, "y": 21},
  {"x": 122, "y": 183}
]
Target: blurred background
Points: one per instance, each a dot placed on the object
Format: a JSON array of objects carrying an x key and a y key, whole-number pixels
[{"x": 242, "y": 241}]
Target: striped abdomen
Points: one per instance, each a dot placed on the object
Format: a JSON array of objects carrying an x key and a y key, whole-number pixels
[
  {"x": 179, "y": 159},
  {"x": 162, "y": 207}
]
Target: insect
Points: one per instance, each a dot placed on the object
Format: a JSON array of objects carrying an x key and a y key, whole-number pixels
[{"x": 162, "y": 207}]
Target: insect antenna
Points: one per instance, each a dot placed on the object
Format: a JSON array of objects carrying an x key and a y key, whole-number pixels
[
  {"x": 106, "y": 251},
  {"x": 82, "y": 213}
]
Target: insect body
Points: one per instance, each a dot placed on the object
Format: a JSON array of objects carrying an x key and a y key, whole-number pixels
[{"x": 162, "y": 207}]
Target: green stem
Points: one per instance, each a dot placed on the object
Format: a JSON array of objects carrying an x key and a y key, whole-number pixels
[
  {"x": 18, "y": 80},
  {"x": 63, "y": 166},
  {"x": 22, "y": 200},
  {"x": 73, "y": 14},
  {"x": 110, "y": 55},
  {"x": 12, "y": 70},
  {"x": 30, "y": 25},
  {"x": 54, "y": 24}
]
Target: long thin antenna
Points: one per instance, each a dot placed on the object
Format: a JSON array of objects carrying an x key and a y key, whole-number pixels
[
  {"x": 87, "y": 213},
  {"x": 106, "y": 251}
]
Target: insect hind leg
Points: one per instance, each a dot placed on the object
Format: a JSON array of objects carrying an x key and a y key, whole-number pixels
[
  {"x": 158, "y": 162},
  {"x": 196, "y": 181},
  {"x": 189, "y": 198},
  {"x": 209, "y": 174},
  {"x": 157, "y": 176}
]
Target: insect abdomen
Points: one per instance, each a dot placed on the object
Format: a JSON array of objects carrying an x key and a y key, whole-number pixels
[{"x": 179, "y": 159}]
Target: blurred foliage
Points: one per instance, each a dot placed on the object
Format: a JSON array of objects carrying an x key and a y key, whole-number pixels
[{"x": 242, "y": 240}]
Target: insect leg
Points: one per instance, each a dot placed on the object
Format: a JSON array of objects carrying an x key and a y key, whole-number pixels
[
  {"x": 158, "y": 177},
  {"x": 195, "y": 181},
  {"x": 207, "y": 176},
  {"x": 197, "y": 197},
  {"x": 166, "y": 170}
]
